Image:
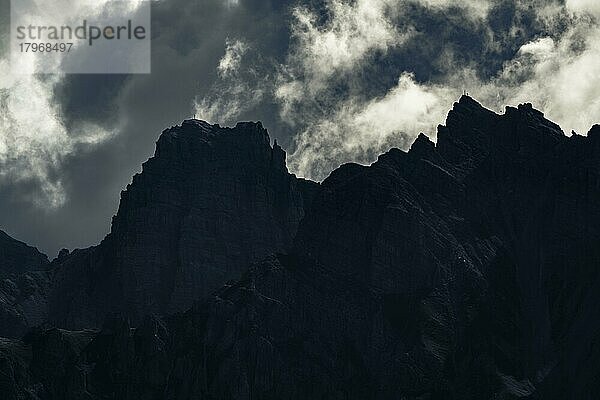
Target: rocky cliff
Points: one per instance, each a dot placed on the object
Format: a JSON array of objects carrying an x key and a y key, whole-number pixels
[
  {"x": 209, "y": 202},
  {"x": 16, "y": 257},
  {"x": 462, "y": 269},
  {"x": 24, "y": 286}
]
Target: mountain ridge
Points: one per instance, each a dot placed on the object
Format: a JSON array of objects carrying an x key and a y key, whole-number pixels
[{"x": 462, "y": 269}]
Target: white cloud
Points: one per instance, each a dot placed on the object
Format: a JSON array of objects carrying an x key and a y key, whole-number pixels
[
  {"x": 564, "y": 83},
  {"x": 232, "y": 94},
  {"x": 33, "y": 139},
  {"x": 540, "y": 48},
  {"x": 584, "y": 6},
  {"x": 478, "y": 8},
  {"x": 359, "y": 131},
  {"x": 34, "y": 142},
  {"x": 225, "y": 105},
  {"x": 232, "y": 3},
  {"x": 230, "y": 63},
  {"x": 354, "y": 31}
]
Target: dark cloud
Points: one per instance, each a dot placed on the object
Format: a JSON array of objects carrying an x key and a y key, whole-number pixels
[{"x": 89, "y": 98}]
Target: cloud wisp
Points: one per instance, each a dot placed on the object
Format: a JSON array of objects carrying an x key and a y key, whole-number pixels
[
  {"x": 359, "y": 131},
  {"x": 322, "y": 52},
  {"x": 34, "y": 139},
  {"x": 233, "y": 92}
]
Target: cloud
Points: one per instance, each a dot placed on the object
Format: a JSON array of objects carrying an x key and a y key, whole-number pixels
[
  {"x": 584, "y": 6},
  {"x": 359, "y": 131},
  {"x": 233, "y": 92},
  {"x": 325, "y": 87},
  {"x": 476, "y": 8},
  {"x": 564, "y": 77},
  {"x": 232, "y": 3},
  {"x": 33, "y": 139},
  {"x": 353, "y": 32},
  {"x": 230, "y": 63}
]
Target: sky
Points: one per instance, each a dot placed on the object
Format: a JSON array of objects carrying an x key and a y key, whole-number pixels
[{"x": 334, "y": 81}]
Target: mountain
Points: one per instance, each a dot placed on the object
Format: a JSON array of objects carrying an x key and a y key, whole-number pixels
[
  {"x": 209, "y": 202},
  {"x": 462, "y": 269}
]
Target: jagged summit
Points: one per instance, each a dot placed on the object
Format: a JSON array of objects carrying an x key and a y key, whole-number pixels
[
  {"x": 200, "y": 123},
  {"x": 467, "y": 100},
  {"x": 466, "y": 103},
  {"x": 467, "y": 107},
  {"x": 473, "y": 133},
  {"x": 207, "y": 126},
  {"x": 195, "y": 129},
  {"x": 209, "y": 202},
  {"x": 422, "y": 145},
  {"x": 198, "y": 143}
]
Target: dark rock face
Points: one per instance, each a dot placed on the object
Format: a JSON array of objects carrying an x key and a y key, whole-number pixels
[
  {"x": 483, "y": 249},
  {"x": 24, "y": 286},
  {"x": 465, "y": 269},
  {"x": 23, "y": 302},
  {"x": 16, "y": 257},
  {"x": 239, "y": 344},
  {"x": 210, "y": 201}
]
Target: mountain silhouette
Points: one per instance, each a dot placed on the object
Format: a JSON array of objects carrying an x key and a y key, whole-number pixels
[{"x": 461, "y": 269}]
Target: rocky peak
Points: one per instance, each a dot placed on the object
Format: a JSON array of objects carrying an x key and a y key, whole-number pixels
[
  {"x": 185, "y": 140},
  {"x": 465, "y": 140},
  {"x": 209, "y": 202},
  {"x": 532, "y": 124},
  {"x": 472, "y": 133},
  {"x": 467, "y": 113},
  {"x": 422, "y": 146}
]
